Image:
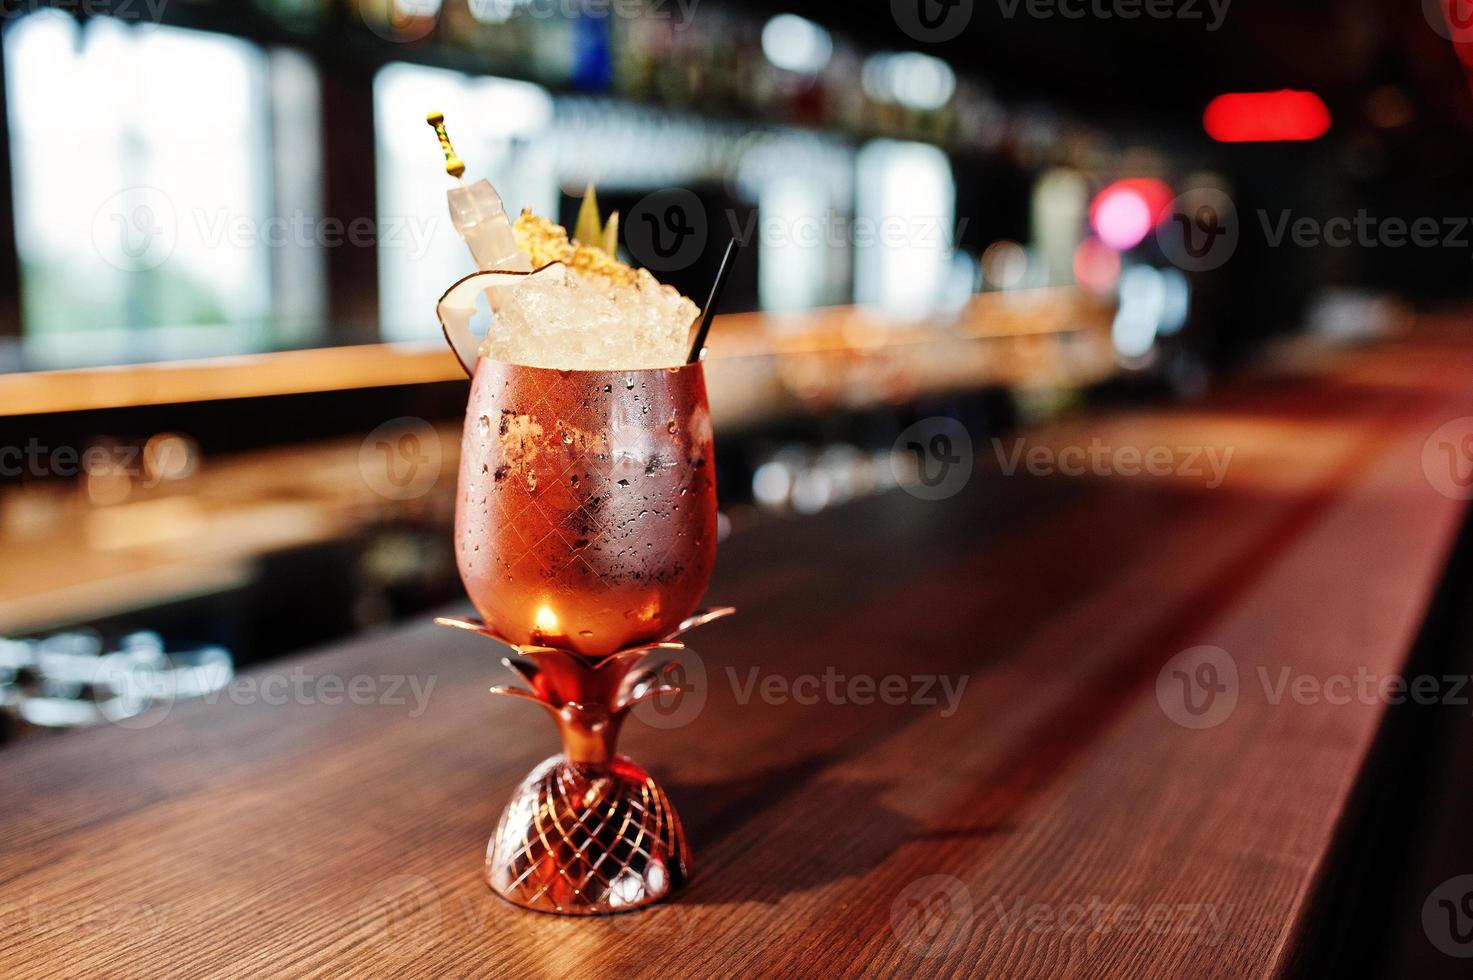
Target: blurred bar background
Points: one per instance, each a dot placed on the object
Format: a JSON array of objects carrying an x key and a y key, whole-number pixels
[{"x": 229, "y": 423}]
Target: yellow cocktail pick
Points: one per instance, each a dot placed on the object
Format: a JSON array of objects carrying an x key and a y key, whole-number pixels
[{"x": 454, "y": 166}]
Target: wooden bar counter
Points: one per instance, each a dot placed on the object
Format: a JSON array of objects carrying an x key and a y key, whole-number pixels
[{"x": 951, "y": 737}]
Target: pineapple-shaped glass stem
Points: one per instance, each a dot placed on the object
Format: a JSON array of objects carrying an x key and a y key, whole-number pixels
[{"x": 589, "y": 832}]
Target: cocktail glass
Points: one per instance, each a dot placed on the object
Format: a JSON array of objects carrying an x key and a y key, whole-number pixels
[{"x": 585, "y": 536}]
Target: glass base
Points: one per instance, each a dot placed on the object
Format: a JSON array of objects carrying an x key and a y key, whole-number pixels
[{"x": 580, "y": 839}]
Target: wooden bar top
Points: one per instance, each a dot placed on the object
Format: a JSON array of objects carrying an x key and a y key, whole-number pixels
[
  {"x": 1018, "y": 326},
  {"x": 951, "y": 737}
]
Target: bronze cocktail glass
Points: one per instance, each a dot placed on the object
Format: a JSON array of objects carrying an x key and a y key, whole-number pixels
[{"x": 585, "y": 534}]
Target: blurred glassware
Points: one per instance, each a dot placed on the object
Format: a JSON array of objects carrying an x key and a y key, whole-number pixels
[
  {"x": 909, "y": 78},
  {"x": 796, "y": 44},
  {"x": 67, "y": 681}
]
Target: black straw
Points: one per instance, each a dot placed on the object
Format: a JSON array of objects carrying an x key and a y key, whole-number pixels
[{"x": 710, "y": 314}]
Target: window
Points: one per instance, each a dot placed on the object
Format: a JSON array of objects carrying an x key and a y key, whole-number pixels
[
  {"x": 903, "y": 233},
  {"x": 804, "y": 188},
  {"x": 151, "y": 219}
]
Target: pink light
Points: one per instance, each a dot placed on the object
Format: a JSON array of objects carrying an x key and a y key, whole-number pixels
[
  {"x": 1124, "y": 213},
  {"x": 1122, "y": 220}
]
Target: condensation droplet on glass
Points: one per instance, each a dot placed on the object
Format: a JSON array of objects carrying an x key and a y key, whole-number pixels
[
  {"x": 485, "y": 424},
  {"x": 671, "y": 427},
  {"x": 629, "y": 384},
  {"x": 531, "y": 480},
  {"x": 623, "y": 483},
  {"x": 567, "y": 438}
]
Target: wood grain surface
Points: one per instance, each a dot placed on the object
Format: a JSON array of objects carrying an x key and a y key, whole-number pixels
[{"x": 328, "y": 816}]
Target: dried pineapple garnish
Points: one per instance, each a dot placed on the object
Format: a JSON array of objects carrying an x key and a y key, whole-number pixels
[
  {"x": 541, "y": 240},
  {"x": 545, "y": 241}
]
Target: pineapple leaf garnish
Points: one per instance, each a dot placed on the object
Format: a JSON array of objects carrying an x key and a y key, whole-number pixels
[
  {"x": 589, "y": 229},
  {"x": 611, "y": 236}
]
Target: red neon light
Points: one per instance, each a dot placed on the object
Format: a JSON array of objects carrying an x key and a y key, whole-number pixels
[{"x": 1264, "y": 117}]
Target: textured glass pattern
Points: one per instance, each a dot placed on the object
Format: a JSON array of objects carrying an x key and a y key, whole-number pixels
[
  {"x": 586, "y": 517},
  {"x": 587, "y": 840}
]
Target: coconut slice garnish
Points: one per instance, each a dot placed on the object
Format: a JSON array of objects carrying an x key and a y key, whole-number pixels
[{"x": 458, "y": 305}]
